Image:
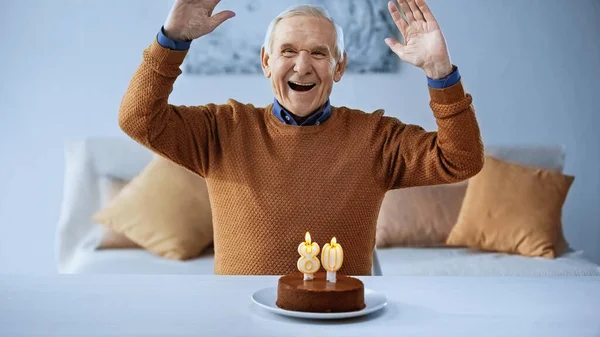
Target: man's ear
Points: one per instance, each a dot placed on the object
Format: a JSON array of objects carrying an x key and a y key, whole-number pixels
[
  {"x": 264, "y": 62},
  {"x": 340, "y": 68}
]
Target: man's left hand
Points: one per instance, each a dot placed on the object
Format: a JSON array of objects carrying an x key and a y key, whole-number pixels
[{"x": 424, "y": 44}]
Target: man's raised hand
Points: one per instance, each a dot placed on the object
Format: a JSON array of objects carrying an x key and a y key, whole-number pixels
[
  {"x": 191, "y": 19},
  {"x": 424, "y": 44}
]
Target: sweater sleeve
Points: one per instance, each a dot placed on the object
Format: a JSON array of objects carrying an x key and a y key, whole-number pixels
[
  {"x": 411, "y": 156},
  {"x": 187, "y": 135}
]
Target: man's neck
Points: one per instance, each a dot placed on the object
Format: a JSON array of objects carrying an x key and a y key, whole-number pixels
[{"x": 302, "y": 119}]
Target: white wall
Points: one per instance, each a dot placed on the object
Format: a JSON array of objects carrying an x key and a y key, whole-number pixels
[{"x": 532, "y": 67}]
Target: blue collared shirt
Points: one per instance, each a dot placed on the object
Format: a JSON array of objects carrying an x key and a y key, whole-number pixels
[
  {"x": 315, "y": 118},
  {"x": 324, "y": 113}
]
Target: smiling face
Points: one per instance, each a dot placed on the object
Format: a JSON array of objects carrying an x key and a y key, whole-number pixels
[{"x": 302, "y": 65}]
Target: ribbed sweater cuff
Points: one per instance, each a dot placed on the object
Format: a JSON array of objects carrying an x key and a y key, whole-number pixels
[
  {"x": 166, "y": 56},
  {"x": 448, "y": 95},
  {"x": 450, "y": 101}
]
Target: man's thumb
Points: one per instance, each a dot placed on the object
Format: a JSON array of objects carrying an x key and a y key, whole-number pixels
[
  {"x": 221, "y": 17},
  {"x": 395, "y": 46}
]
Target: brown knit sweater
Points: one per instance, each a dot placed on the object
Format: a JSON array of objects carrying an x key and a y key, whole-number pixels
[{"x": 270, "y": 182}]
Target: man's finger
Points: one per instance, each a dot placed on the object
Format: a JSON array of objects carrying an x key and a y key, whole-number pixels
[
  {"x": 415, "y": 10},
  {"x": 398, "y": 19},
  {"x": 427, "y": 14},
  {"x": 406, "y": 10}
]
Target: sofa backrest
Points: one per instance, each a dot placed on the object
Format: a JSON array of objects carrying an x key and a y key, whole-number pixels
[
  {"x": 120, "y": 158},
  {"x": 551, "y": 157}
]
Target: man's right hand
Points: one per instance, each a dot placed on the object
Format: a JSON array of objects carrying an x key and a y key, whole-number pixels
[{"x": 191, "y": 19}]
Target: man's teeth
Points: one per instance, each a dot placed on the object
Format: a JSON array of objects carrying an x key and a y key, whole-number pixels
[{"x": 303, "y": 84}]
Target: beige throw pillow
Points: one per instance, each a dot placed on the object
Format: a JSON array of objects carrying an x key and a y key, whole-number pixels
[
  {"x": 110, "y": 238},
  {"x": 165, "y": 209},
  {"x": 419, "y": 216},
  {"x": 513, "y": 209}
]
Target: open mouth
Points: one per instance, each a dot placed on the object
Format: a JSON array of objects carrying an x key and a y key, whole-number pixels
[{"x": 296, "y": 86}]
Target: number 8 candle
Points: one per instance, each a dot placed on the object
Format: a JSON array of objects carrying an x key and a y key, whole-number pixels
[
  {"x": 332, "y": 258},
  {"x": 308, "y": 263}
]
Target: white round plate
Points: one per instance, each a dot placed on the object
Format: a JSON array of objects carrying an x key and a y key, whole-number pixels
[{"x": 266, "y": 298}]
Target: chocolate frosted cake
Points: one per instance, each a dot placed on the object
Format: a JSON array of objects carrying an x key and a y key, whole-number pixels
[{"x": 318, "y": 295}]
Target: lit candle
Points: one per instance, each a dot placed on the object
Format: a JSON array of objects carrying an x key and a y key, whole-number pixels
[
  {"x": 332, "y": 258},
  {"x": 308, "y": 263}
]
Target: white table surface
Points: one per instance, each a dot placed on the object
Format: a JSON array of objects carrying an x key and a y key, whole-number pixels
[{"x": 178, "y": 305}]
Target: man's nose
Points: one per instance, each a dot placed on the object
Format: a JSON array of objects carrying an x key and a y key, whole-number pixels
[{"x": 303, "y": 63}]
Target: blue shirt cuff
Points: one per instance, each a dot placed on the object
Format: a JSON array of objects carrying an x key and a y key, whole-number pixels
[
  {"x": 167, "y": 42},
  {"x": 445, "y": 82}
]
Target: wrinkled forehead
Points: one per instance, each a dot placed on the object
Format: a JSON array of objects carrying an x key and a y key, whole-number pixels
[{"x": 304, "y": 31}]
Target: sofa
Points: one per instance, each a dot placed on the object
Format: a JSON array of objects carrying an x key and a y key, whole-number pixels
[{"x": 89, "y": 161}]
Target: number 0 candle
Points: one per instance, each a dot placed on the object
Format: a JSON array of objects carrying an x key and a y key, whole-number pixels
[
  {"x": 308, "y": 263},
  {"x": 332, "y": 258}
]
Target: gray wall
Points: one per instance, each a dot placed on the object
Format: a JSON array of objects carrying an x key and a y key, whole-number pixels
[{"x": 532, "y": 67}]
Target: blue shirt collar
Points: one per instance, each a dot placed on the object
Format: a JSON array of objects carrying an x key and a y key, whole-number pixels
[{"x": 316, "y": 118}]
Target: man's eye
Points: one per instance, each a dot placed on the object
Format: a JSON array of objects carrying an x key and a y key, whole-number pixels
[{"x": 288, "y": 51}]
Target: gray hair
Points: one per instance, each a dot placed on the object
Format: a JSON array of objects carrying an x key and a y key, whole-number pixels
[{"x": 308, "y": 10}]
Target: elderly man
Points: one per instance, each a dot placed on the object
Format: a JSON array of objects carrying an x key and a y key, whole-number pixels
[{"x": 301, "y": 164}]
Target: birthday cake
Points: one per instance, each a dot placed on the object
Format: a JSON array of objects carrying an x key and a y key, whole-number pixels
[
  {"x": 319, "y": 295},
  {"x": 311, "y": 290}
]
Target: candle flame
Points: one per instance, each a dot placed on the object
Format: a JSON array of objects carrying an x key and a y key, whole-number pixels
[
  {"x": 333, "y": 241},
  {"x": 307, "y": 238}
]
